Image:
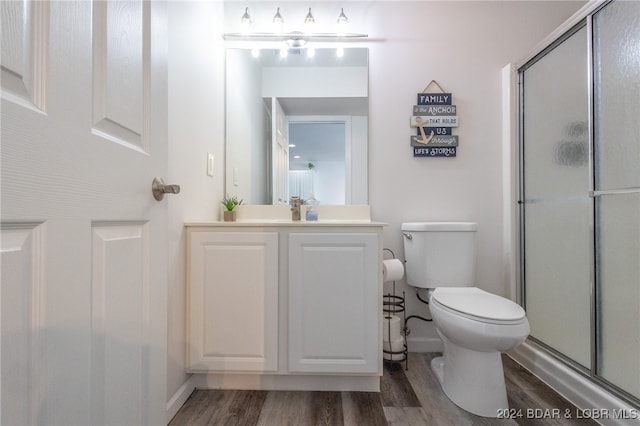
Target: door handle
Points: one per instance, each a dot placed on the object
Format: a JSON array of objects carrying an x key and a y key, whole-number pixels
[{"x": 159, "y": 188}]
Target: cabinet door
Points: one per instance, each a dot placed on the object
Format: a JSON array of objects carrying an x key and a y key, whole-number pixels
[
  {"x": 334, "y": 303},
  {"x": 233, "y": 295}
]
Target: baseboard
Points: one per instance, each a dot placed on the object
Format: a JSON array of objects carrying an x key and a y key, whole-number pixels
[
  {"x": 592, "y": 400},
  {"x": 287, "y": 382},
  {"x": 180, "y": 397},
  {"x": 424, "y": 344}
]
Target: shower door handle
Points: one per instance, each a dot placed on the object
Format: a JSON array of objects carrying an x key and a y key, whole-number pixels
[{"x": 632, "y": 190}]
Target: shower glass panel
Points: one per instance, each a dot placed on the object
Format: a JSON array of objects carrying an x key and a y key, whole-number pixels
[
  {"x": 557, "y": 208},
  {"x": 618, "y": 266},
  {"x": 616, "y": 42}
]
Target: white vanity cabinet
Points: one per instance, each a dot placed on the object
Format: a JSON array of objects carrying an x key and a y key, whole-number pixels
[
  {"x": 233, "y": 301},
  {"x": 294, "y": 305},
  {"x": 333, "y": 302}
]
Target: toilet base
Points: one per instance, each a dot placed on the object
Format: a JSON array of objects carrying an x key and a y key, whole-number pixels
[
  {"x": 472, "y": 380},
  {"x": 437, "y": 366}
]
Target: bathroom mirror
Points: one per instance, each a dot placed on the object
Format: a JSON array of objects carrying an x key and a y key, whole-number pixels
[{"x": 297, "y": 125}]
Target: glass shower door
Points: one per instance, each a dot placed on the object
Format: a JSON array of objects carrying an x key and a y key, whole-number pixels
[
  {"x": 557, "y": 208},
  {"x": 616, "y": 47}
]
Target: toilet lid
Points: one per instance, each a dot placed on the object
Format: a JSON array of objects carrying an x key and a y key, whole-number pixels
[{"x": 478, "y": 303}]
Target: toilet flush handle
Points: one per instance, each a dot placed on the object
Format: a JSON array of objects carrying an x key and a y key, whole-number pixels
[{"x": 407, "y": 236}]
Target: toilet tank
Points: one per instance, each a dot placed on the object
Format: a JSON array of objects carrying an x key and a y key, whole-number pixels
[{"x": 440, "y": 254}]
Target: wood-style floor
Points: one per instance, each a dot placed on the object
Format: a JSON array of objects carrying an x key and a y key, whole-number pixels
[{"x": 411, "y": 397}]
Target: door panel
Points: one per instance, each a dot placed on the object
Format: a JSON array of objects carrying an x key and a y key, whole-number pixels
[
  {"x": 119, "y": 323},
  {"x": 100, "y": 352},
  {"x": 119, "y": 72},
  {"x": 618, "y": 266},
  {"x": 616, "y": 42},
  {"x": 333, "y": 303},
  {"x": 562, "y": 244},
  {"x": 617, "y": 183},
  {"x": 233, "y": 297},
  {"x": 21, "y": 311},
  {"x": 25, "y": 37},
  {"x": 557, "y": 205}
]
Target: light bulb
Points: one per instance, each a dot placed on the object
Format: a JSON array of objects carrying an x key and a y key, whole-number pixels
[
  {"x": 342, "y": 18},
  {"x": 278, "y": 21},
  {"x": 309, "y": 20},
  {"x": 245, "y": 21}
]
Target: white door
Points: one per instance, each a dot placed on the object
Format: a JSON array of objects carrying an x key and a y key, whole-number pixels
[
  {"x": 279, "y": 153},
  {"x": 83, "y": 293}
]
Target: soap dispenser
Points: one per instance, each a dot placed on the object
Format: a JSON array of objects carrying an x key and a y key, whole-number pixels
[
  {"x": 295, "y": 208},
  {"x": 311, "y": 214}
]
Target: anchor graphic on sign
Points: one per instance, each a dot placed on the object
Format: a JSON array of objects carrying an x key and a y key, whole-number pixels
[{"x": 424, "y": 139}]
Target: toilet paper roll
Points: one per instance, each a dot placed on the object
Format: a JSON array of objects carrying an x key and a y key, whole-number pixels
[
  {"x": 391, "y": 328},
  {"x": 395, "y": 346},
  {"x": 392, "y": 270}
]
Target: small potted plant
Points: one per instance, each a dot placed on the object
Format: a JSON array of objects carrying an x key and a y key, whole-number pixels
[{"x": 230, "y": 203}]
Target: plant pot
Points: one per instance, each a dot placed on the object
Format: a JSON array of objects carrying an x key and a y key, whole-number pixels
[{"x": 229, "y": 216}]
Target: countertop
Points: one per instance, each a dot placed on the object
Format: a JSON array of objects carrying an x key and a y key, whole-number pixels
[{"x": 285, "y": 222}]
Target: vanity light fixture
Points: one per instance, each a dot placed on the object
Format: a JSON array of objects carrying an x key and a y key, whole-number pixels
[
  {"x": 278, "y": 21},
  {"x": 342, "y": 18},
  {"x": 277, "y": 18},
  {"x": 246, "y": 21},
  {"x": 309, "y": 19},
  {"x": 294, "y": 39}
]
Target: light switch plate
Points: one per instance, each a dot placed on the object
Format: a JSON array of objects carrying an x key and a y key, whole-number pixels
[{"x": 209, "y": 164}]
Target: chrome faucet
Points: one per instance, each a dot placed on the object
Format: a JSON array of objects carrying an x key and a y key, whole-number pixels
[{"x": 295, "y": 208}]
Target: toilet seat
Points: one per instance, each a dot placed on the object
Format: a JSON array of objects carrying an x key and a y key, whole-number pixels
[{"x": 478, "y": 305}]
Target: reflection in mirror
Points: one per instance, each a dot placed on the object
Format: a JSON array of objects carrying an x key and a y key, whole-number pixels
[{"x": 297, "y": 125}]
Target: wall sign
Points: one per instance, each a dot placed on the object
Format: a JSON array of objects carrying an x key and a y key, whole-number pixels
[{"x": 434, "y": 116}]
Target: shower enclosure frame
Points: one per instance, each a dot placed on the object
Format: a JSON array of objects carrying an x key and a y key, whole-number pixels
[{"x": 583, "y": 19}]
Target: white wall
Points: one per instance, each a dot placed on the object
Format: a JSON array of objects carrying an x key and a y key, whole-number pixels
[
  {"x": 462, "y": 45},
  {"x": 314, "y": 82},
  {"x": 196, "y": 126}
]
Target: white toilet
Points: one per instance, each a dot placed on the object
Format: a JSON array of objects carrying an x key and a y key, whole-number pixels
[{"x": 474, "y": 325}]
